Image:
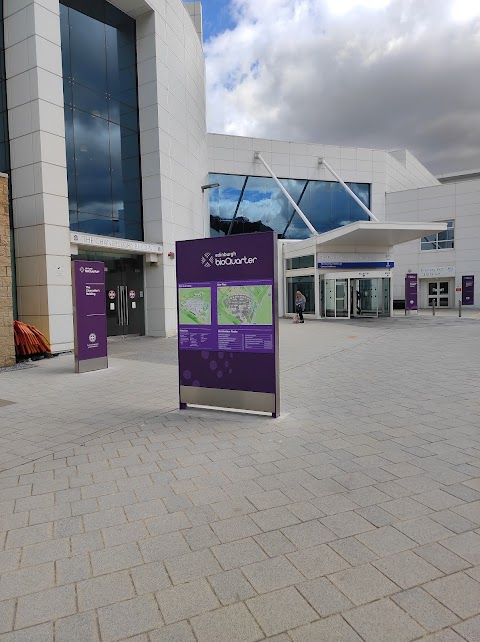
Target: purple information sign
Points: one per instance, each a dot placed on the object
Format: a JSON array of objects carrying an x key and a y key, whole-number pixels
[
  {"x": 411, "y": 292},
  {"x": 90, "y": 316},
  {"x": 468, "y": 287},
  {"x": 227, "y": 322}
]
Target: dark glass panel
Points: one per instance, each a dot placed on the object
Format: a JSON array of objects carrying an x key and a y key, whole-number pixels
[
  {"x": 90, "y": 101},
  {"x": 103, "y": 156},
  {"x": 132, "y": 231},
  {"x": 301, "y": 262},
  {"x": 87, "y": 50},
  {"x": 96, "y": 225},
  {"x": 326, "y": 204},
  {"x": 317, "y": 205},
  {"x": 132, "y": 210},
  {"x": 92, "y": 163}
]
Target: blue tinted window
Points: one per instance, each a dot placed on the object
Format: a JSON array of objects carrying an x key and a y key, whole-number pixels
[
  {"x": 101, "y": 119},
  {"x": 254, "y": 204}
]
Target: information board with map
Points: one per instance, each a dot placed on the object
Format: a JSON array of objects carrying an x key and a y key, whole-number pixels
[{"x": 227, "y": 322}]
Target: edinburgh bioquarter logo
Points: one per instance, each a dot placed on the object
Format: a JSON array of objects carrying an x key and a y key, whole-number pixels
[
  {"x": 207, "y": 260},
  {"x": 226, "y": 259},
  {"x": 92, "y": 337}
]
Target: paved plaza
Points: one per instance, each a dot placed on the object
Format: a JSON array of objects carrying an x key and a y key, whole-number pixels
[{"x": 354, "y": 516}]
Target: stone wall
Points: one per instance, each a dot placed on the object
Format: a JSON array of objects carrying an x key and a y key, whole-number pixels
[{"x": 7, "y": 349}]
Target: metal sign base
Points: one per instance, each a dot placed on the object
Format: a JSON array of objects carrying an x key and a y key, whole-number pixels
[
  {"x": 91, "y": 365},
  {"x": 237, "y": 399}
]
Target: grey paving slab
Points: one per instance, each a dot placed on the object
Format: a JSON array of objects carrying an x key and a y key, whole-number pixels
[
  {"x": 104, "y": 590},
  {"x": 386, "y": 541},
  {"x": 407, "y": 569},
  {"x": 234, "y": 623},
  {"x": 281, "y": 610},
  {"x": 470, "y": 629},
  {"x": 125, "y": 619},
  {"x": 48, "y": 605},
  {"x": 427, "y": 611},
  {"x": 190, "y": 566},
  {"x": 317, "y": 561},
  {"x": 332, "y": 629},
  {"x": 82, "y": 627},
  {"x": 41, "y": 633},
  {"x": 459, "y": 592},
  {"x": 231, "y": 586},
  {"x": 325, "y": 598},
  {"x": 362, "y": 584},
  {"x": 272, "y": 574},
  {"x": 237, "y": 554},
  {"x": 347, "y": 524},
  {"x": 186, "y": 600},
  {"x": 179, "y": 632},
  {"x": 383, "y": 620}
]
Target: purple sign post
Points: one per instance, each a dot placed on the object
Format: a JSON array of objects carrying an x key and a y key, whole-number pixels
[
  {"x": 90, "y": 317},
  {"x": 468, "y": 287},
  {"x": 411, "y": 292},
  {"x": 228, "y": 322}
]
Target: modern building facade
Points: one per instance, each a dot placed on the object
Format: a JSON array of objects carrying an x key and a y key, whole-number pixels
[
  {"x": 103, "y": 135},
  {"x": 107, "y": 141},
  {"x": 442, "y": 261}
]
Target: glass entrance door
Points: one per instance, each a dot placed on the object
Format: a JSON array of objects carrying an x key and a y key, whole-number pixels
[
  {"x": 341, "y": 297},
  {"x": 336, "y": 299},
  {"x": 124, "y": 291},
  {"x": 438, "y": 293}
]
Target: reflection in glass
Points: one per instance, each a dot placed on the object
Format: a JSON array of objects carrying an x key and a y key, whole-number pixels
[
  {"x": 306, "y": 285},
  {"x": 101, "y": 119},
  {"x": 264, "y": 207}
]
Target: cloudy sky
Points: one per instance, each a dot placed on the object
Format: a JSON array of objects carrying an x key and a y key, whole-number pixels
[{"x": 367, "y": 73}]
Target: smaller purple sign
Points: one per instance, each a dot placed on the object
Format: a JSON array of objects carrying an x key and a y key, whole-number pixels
[
  {"x": 90, "y": 316},
  {"x": 411, "y": 292},
  {"x": 468, "y": 288}
]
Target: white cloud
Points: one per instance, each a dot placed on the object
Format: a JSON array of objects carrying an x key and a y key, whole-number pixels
[{"x": 374, "y": 73}]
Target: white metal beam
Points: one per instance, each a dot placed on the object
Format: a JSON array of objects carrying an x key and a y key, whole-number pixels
[
  {"x": 322, "y": 161},
  {"x": 287, "y": 195}
]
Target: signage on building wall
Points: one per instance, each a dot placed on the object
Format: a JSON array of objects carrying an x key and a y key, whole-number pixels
[
  {"x": 107, "y": 242},
  {"x": 354, "y": 261},
  {"x": 468, "y": 287},
  {"x": 356, "y": 266},
  {"x": 90, "y": 317},
  {"x": 437, "y": 272},
  {"x": 334, "y": 257},
  {"x": 228, "y": 322},
  {"x": 411, "y": 292}
]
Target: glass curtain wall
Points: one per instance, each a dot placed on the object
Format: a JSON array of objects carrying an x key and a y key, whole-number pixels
[
  {"x": 245, "y": 204},
  {"x": 101, "y": 119},
  {"x": 5, "y": 149}
]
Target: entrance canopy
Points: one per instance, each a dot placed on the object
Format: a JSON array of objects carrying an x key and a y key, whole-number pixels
[{"x": 369, "y": 234}]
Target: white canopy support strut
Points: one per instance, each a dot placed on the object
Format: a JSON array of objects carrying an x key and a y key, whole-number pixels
[
  {"x": 322, "y": 161},
  {"x": 287, "y": 195}
]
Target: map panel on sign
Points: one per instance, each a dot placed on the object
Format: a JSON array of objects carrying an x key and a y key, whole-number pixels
[
  {"x": 195, "y": 306},
  {"x": 244, "y": 305}
]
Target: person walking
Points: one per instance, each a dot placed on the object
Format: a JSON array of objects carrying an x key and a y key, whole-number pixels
[{"x": 300, "y": 302}]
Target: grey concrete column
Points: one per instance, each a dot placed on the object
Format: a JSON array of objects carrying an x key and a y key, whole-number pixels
[{"x": 171, "y": 80}]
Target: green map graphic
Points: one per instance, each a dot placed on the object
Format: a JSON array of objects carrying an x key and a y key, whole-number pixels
[
  {"x": 195, "y": 306},
  {"x": 245, "y": 305}
]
